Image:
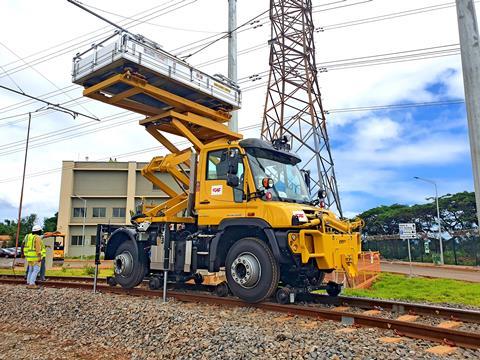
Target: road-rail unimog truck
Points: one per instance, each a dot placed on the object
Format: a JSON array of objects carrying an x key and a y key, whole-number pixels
[{"x": 240, "y": 205}]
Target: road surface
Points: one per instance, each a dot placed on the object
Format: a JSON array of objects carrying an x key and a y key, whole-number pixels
[{"x": 433, "y": 271}]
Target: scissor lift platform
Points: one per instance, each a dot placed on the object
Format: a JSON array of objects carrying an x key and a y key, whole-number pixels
[{"x": 126, "y": 52}]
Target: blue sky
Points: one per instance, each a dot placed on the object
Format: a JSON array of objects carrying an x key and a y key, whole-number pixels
[{"x": 429, "y": 142}]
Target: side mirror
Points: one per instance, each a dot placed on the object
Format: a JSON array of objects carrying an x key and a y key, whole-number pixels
[
  {"x": 233, "y": 161},
  {"x": 232, "y": 180},
  {"x": 267, "y": 183}
]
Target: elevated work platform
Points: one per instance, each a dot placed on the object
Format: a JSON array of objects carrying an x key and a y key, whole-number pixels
[
  {"x": 172, "y": 106},
  {"x": 124, "y": 51}
]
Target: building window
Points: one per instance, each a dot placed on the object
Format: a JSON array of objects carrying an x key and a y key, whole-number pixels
[
  {"x": 99, "y": 212},
  {"x": 217, "y": 165},
  {"x": 76, "y": 240},
  {"x": 93, "y": 240},
  {"x": 118, "y": 212},
  {"x": 79, "y": 212}
]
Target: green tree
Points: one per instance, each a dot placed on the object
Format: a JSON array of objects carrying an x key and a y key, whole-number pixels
[
  {"x": 50, "y": 224},
  {"x": 9, "y": 227},
  {"x": 457, "y": 212}
]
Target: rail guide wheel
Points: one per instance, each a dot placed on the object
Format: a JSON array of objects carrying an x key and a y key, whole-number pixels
[
  {"x": 222, "y": 290},
  {"x": 333, "y": 289},
  {"x": 285, "y": 296},
  {"x": 154, "y": 283},
  {"x": 111, "y": 281}
]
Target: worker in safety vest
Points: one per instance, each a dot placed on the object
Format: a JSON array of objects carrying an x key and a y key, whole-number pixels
[{"x": 33, "y": 255}]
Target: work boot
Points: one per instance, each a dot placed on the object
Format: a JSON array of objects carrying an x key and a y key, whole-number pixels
[{"x": 32, "y": 286}]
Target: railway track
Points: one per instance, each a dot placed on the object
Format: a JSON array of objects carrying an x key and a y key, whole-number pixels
[{"x": 347, "y": 313}]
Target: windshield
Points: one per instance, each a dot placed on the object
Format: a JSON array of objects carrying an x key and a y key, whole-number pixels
[{"x": 289, "y": 184}]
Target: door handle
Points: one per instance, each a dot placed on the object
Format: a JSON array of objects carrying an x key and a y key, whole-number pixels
[{"x": 203, "y": 202}]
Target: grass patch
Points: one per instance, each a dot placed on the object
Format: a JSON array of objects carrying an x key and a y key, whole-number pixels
[
  {"x": 102, "y": 273},
  {"x": 400, "y": 287}
]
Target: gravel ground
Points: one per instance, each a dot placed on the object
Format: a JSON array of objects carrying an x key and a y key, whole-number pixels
[
  {"x": 422, "y": 319},
  {"x": 67, "y": 323},
  {"x": 453, "y": 306}
]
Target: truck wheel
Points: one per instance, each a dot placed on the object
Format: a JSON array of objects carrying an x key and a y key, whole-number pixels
[
  {"x": 129, "y": 264},
  {"x": 252, "y": 271}
]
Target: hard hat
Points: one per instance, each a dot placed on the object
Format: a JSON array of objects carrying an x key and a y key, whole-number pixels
[{"x": 36, "y": 228}]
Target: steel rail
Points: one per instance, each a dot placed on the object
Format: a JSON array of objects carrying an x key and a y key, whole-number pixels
[
  {"x": 400, "y": 307},
  {"x": 397, "y": 307},
  {"x": 403, "y": 328}
]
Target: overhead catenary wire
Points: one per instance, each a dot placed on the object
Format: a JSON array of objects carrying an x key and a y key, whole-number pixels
[
  {"x": 59, "y": 107},
  {"x": 43, "y": 76},
  {"x": 75, "y": 46},
  {"x": 346, "y": 63},
  {"x": 87, "y": 34},
  {"x": 42, "y": 141},
  {"x": 251, "y": 127},
  {"x": 152, "y": 24},
  {"x": 336, "y": 64}
]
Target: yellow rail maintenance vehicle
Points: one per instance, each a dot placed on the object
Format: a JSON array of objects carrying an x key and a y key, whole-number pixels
[
  {"x": 58, "y": 244},
  {"x": 240, "y": 205}
]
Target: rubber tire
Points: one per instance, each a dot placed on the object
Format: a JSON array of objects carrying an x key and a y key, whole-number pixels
[
  {"x": 139, "y": 265},
  {"x": 270, "y": 271}
]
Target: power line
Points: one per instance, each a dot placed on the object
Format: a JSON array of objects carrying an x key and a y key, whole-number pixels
[
  {"x": 43, "y": 76},
  {"x": 61, "y": 132},
  {"x": 41, "y": 139},
  {"x": 334, "y": 65},
  {"x": 158, "y": 25},
  {"x": 366, "y": 61},
  {"x": 44, "y": 96},
  {"x": 136, "y": 152},
  {"x": 225, "y": 35},
  {"x": 59, "y": 107},
  {"x": 87, "y": 34},
  {"x": 251, "y": 127},
  {"x": 88, "y": 41}
]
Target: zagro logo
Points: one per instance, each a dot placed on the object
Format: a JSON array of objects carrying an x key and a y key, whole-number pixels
[{"x": 217, "y": 190}]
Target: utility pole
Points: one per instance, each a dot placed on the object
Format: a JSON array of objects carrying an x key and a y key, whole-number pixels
[
  {"x": 19, "y": 221},
  {"x": 470, "y": 50},
  {"x": 232, "y": 54}
]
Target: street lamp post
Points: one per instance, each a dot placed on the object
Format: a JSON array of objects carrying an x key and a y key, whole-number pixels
[
  {"x": 84, "y": 220},
  {"x": 438, "y": 216}
]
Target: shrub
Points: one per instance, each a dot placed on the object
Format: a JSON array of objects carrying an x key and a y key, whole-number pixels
[{"x": 89, "y": 270}]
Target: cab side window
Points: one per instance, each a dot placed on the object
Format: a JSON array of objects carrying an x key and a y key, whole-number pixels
[
  {"x": 238, "y": 191},
  {"x": 217, "y": 165}
]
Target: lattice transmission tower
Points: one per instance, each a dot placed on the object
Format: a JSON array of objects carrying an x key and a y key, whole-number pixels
[{"x": 293, "y": 106}]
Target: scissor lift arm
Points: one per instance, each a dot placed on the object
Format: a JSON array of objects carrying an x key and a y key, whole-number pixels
[{"x": 196, "y": 123}]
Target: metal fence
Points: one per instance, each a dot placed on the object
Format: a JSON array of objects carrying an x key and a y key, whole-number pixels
[{"x": 458, "y": 250}]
